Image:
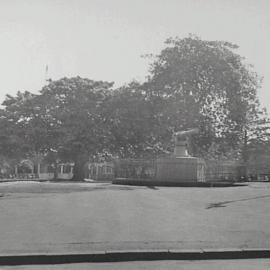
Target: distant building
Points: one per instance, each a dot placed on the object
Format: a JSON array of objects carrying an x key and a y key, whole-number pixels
[{"x": 99, "y": 171}]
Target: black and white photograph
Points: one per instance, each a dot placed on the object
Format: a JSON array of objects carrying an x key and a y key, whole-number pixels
[{"x": 134, "y": 134}]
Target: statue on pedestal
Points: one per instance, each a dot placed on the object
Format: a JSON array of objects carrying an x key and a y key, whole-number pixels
[{"x": 181, "y": 142}]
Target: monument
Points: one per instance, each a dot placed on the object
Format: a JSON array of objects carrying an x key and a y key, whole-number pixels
[
  {"x": 176, "y": 169},
  {"x": 181, "y": 142},
  {"x": 181, "y": 167}
]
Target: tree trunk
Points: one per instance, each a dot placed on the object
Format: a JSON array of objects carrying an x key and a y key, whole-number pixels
[
  {"x": 245, "y": 154},
  {"x": 55, "y": 172},
  {"x": 78, "y": 171},
  {"x": 16, "y": 170}
]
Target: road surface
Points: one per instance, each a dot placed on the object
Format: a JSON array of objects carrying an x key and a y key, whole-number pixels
[{"x": 258, "y": 264}]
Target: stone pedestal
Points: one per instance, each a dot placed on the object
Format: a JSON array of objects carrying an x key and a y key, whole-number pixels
[
  {"x": 180, "y": 149},
  {"x": 180, "y": 169}
]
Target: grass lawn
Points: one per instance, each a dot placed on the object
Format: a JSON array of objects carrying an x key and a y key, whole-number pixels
[{"x": 70, "y": 217}]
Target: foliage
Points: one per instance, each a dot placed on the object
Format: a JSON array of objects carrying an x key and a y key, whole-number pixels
[
  {"x": 192, "y": 83},
  {"x": 73, "y": 108},
  {"x": 130, "y": 121},
  {"x": 64, "y": 122},
  {"x": 206, "y": 84},
  {"x": 15, "y": 142}
]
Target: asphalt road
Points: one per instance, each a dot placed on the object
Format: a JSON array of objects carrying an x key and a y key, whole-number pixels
[
  {"x": 261, "y": 264},
  {"x": 63, "y": 218}
]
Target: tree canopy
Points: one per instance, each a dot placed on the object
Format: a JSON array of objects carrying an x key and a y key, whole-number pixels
[
  {"x": 208, "y": 85},
  {"x": 191, "y": 83}
]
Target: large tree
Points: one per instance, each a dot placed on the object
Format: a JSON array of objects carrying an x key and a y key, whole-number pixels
[
  {"x": 17, "y": 127},
  {"x": 64, "y": 122},
  {"x": 73, "y": 108},
  {"x": 208, "y": 85}
]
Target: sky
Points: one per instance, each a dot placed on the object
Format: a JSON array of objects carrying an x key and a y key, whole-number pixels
[{"x": 105, "y": 39}]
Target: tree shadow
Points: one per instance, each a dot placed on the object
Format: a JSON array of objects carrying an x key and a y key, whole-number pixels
[
  {"x": 225, "y": 203},
  {"x": 153, "y": 187}
]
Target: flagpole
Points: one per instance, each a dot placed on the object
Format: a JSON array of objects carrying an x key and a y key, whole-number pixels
[{"x": 46, "y": 74}]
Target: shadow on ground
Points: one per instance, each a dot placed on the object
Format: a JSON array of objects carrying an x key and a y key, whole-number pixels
[{"x": 225, "y": 203}]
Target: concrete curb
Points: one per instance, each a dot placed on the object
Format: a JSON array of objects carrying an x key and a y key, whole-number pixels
[{"x": 134, "y": 255}]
